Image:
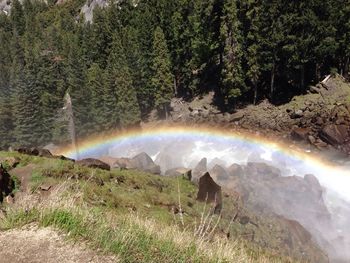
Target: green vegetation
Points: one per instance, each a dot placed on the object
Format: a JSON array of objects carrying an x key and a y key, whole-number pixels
[
  {"x": 134, "y": 58},
  {"x": 136, "y": 216}
]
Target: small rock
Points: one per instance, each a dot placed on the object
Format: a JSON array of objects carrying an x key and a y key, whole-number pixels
[
  {"x": 297, "y": 114},
  {"x": 300, "y": 134},
  {"x": 64, "y": 158},
  {"x": 243, "y": 220},
  {"x": 9, "y": 199},
  {"x": 311, "y": 139},
  {"x": 236, "y": 116},
  {"x": 335, "y": 134},
  {"x": 45, "y": 187}
]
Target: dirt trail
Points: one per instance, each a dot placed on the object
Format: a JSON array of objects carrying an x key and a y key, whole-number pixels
[{"x": 44, "y": 245}]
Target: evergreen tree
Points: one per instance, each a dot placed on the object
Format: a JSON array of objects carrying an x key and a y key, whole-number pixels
[
  {"x": 162, "y": 80},
  {"x": 124, "y": 108},
  {"x": 17, "y": 17},
  {"x": 205, "y": 33},
  {"x": 101, "y": 37},
  {"x": 76, "y": 87},
  {"x": 5, "y": 54},
  {"x": 232, "y": 79},
  {"x": 272, "y": 36},
  {"x": 145, "y": 22},
  {"x": 133, "y": 55},
  {"x": 26, "y": 99},
  {"x": 253, "y": 46},
  {"x": 180, "y": 50},
  {"x": 341, "y": 19},
  {"x": 95, "y": 82}
]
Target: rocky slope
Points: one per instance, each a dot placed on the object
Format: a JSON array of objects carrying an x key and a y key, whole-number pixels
[{"x": 320, "y": 118}]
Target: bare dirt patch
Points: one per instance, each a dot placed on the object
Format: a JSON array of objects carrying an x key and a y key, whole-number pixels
[{"x": 33, "y": 245}]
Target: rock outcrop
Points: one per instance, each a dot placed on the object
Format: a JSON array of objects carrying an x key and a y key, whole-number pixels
[
  {"x": 263, "y": 189},
  {"x": 11, "y": 162},
  {"x": 210, "y": 192},
  {"x": 320, "y": 118},
  {"x": 219, "y": 173},
  {"x": 35, "y": 151},
  {"x": 335, "y": 134},
  {"x": 180, "y": 171},
  {"x": 93, "y": 163},
  {"x": 145, "y": 163},
  {"x": 7, "y": 185},
  {"x": 199, "y": 170}
]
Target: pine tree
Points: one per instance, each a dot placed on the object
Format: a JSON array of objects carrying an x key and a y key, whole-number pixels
[
  {"x": 145, "y": 21},
  {"x": 272, "y": 36},
  {"x": 162, "y": 80},
  {"x": 101, "y": 37},
  {"x": 232, "y": 79},
  {"x": 340, "y": 18},
  {"x": 17, "y": 17},
  {"x": 76, "y": 75},
  {"x": 26, "y": 99},
  {"x": 133, "y": 55},
  {"x": 94, "y": 84},
  {"x": 205, "y": 43},
  {"x": 253, "y": 46},
  {"x": 5, "y": 52},
  {"x": 180, "y": 50},
  {"x": 122, "y": 106}
]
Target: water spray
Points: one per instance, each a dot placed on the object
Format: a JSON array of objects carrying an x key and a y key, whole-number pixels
[{"x": 68, "y": 109}]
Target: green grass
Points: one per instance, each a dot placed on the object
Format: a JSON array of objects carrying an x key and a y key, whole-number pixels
[
  {"x": 128, "y": 239},
  {"x": 129, "y": 213}
]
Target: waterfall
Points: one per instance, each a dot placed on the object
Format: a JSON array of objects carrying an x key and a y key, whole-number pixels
[{"x": 68, "y": 109}]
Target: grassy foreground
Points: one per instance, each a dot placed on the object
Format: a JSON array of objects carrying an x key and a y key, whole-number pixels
[{"x": 128, "y": 213}]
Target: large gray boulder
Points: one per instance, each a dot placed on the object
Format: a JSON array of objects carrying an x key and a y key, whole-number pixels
[
  {"x": 210, "y": 192},
  {"x": 179, "y": 171},
  {"x": 199, "y": 170},
  {"x": 144, "y": 162},
  {"x": 219, "y": 173}
]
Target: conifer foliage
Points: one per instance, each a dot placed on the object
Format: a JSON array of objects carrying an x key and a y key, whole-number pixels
[
  {"x": 134, "y": 58},
  {"x": 162, "y": 79}
]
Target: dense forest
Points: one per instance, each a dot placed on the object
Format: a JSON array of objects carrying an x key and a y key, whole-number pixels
[{"x": 134, "y": 56}]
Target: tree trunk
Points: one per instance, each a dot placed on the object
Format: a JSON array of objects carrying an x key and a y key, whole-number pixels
[
  {"x": 317, "y": 73},
  {"x": 165, "y": 108},
  {"x": 175, "y": 86},
  {"x": 302, "y": 77},
  {"x": 272, "y": 83},
  {"x": 346, "y": 68},
  {"x": 255, "y": 92}
]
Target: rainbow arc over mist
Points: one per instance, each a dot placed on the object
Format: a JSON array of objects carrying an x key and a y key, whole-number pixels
[{"x": 334, "y": 176}]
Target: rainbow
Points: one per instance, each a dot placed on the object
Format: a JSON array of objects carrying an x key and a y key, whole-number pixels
[{"x": 328, "y": 173}]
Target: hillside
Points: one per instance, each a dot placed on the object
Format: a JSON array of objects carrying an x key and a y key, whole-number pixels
[
  {"x": 133, "y": 57},
  {"x": 174, "y": 131},
  {"x": 318, "y": 121},
  {"x": 121, "y": 212}
]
